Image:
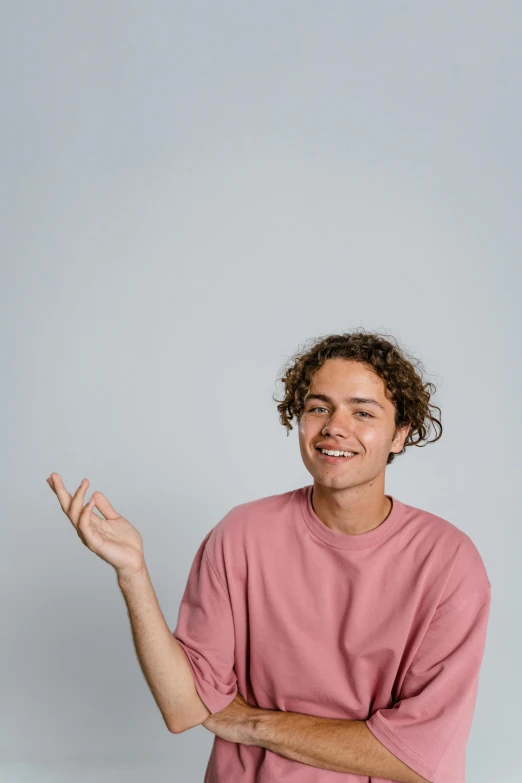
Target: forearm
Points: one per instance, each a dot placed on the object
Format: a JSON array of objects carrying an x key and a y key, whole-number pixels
[
  {"x": 339, "y": 745},
  {"x": 160, "y": 656}
]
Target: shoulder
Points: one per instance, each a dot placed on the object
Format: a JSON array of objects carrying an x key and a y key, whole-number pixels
[
  {"x": 247, "y": 522},
  {"x": 247, "y": 514},
  {"x": 452, "y": 549}
]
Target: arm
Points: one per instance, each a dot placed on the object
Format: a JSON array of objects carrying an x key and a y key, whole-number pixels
[
  {"x": 339, "y": 745},
  {"x": 327, "y": 743},
  {"x": 430, "y": 721},
  {"x": 160, "y": 656},
  {"x": 117, "y": 542}
]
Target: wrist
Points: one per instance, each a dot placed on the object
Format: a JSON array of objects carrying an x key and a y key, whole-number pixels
[
  {"x": 129, "y": 576},
  {"x": 262, "y": 727}
]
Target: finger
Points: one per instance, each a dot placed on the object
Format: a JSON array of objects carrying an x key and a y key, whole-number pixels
[
  {"x": 51, "y": 483},
  {"x": 63, "y": 496},
  {"x": 66, "y": 499},
  {"x": 85, "y": 518},
  {"x": 103, "y": 505},
  {"x": 86, "y": 512},
  {"x": 76, "y": 505}
]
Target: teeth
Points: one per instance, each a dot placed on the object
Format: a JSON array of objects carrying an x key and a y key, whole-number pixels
[{"x": 338, "y": 453}]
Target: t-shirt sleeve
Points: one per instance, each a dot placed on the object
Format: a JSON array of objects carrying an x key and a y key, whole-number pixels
[
  {"x": 205, "y": 632},
  {"x": 428, "y": 727}
]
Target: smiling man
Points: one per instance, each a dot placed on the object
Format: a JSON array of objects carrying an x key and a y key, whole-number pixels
[
  {"x": 347, "y": 455},
  {"x": 335, "y": 632}
]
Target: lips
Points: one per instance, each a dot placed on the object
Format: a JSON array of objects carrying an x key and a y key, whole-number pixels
[
  {"x": 335, "y": 460},
  {"x": 332, "y": 448}
]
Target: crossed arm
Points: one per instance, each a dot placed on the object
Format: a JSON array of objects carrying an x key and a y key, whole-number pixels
[{"x": 339, "y": 745}]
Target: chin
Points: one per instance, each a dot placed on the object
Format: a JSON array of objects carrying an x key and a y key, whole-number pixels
[
  {"x": 331, "y": 481},
  {"x": 337, "y": 482}
]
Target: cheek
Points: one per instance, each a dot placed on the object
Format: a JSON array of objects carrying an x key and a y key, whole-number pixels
[
  {"x": 308, "y": 428},
  {"x": 373, "y": 438},
  {"x": 308, "y": 432}
]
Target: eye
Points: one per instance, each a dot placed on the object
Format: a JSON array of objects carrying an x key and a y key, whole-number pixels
[{"x": 320, "y": 408}]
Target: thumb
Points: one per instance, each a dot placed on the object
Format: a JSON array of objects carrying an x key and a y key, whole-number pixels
[{"x": 102, "y": 504}]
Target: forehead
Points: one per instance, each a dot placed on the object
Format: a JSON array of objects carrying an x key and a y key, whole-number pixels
[
  {"x": 346, "y": 370},
  {"x": 346, "y": 375}
]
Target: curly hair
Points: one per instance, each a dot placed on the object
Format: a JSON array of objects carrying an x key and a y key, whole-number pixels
[{"x": 402, "y": 376}]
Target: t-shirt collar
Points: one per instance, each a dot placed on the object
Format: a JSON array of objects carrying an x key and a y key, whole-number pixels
[{"x": 344, "y": 540}]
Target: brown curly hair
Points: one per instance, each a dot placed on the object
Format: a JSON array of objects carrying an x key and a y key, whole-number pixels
[{"x": 410, "y": 394}]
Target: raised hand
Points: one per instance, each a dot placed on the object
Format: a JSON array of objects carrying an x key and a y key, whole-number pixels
[{"x": 113, "y": 539}]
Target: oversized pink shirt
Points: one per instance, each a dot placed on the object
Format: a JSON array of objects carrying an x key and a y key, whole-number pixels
[{"x": 388, "y": 627}]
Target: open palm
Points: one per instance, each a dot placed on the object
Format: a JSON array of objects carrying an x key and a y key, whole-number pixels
[{"x": 112, "y": 538}]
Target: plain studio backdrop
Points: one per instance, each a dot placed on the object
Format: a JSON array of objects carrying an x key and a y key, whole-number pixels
[{"x": 190, "y": 191}]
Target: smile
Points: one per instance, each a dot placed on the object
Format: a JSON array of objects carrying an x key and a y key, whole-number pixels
[{"x": 331, "y": 460}]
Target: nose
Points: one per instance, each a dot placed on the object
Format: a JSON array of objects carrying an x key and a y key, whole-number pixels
[{"x": 337, "y": 425}]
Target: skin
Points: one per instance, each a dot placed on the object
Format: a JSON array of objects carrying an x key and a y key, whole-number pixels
[
  {"x": 349, "y": 497},
  {"x": 238, "y": 722},
  {"x": 112, "y": 538},
  {"x": 340, "y": 745}
]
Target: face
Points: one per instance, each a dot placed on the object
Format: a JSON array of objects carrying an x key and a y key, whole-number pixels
[{"x": 339, "y": 423}]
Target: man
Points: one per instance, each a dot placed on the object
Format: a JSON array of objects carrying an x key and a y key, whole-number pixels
[{"x": 332, "y": 632}]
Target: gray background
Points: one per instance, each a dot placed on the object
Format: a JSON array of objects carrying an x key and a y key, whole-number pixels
[{"x": 190, "y": 191}]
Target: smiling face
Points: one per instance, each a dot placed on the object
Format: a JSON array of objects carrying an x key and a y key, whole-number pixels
[{"x": 337, "y": 421}]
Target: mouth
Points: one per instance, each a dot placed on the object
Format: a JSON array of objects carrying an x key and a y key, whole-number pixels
[{"x": 334, "y": 460}]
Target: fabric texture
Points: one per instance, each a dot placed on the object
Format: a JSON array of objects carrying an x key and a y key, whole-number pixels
[{"x": 388, "y": 627}]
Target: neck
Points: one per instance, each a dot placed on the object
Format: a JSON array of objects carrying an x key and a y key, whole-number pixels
[{"x": 351, "y": 511}]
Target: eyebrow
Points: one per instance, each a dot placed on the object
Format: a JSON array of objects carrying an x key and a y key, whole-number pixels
[{"x": 349, "y": 400}]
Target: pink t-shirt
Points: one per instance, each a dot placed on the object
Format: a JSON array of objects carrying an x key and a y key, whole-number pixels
[{"x": 388, "y": 627}]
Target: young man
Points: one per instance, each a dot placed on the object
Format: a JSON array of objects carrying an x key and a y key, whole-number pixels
[
  {"x": 331, "y": 632},
  {"x": 353, "y": 622}
]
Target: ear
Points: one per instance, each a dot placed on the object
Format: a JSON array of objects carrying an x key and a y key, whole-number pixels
[{"x": 401, "y": 434}]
